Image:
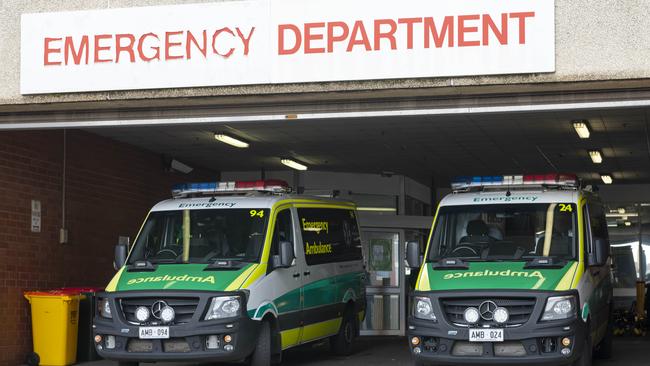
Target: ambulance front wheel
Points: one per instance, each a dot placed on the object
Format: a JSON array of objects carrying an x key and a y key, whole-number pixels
[{"x": 262, "y": 354}]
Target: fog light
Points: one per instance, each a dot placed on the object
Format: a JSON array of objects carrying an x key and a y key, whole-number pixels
[
  {"x": 471, "y": 315},
  {"x": 566, "y": 351},
  {"x": 167, "y": 314},
  {"x": 566, "y": 342},
  {"x": 110, "y": 342},
  {"x": 227, "y": 338},
  {"x": 228, "y": 347},
  {"x": 99, "y": 347},
  {"x": 417, "y": 350},
  {"x": 98, "y": 338},
  {"x": 212, "y": 342},
  {"x": 501, "y": 315},
  {"x": 142, "y": 314},
  {"x": 415, "y": 341}
]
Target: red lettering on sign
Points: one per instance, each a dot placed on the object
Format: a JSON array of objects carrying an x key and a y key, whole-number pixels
[
  {"x": 332, "y": 37},
  {"x": 282, "y": 50},
  {"x": 128, "y": 48},
  {"x": 463, "y": 30},
  {"x": 246, "y": 40},
  {"x": 309, "y": 37},
  {"x": 389, "y": 35},
  {"x": 358, "y": 29},
  {"x": 214, "y": 42},
  {"x": 410, "y": 23},
  {"x": 141, "y": 42},
  {"x": 169, "y": 44},
  {"x": 500, "y": 34},
  {"x": 49, "y": 50},
  {"x": 99, "y": 48},
  {"x": 191, "y": 40},
  {"x": 522, "y": 24},
  {"x": 69, "y": 50},
  {"x": 447, "y": 32}
]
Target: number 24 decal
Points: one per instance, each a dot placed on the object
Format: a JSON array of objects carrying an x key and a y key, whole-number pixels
[{"x": 565, "y": 207}]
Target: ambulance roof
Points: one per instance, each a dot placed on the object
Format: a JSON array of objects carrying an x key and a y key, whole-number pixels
[
  {"x": 500, "y": 196},
  {"x": 247, "y": 201}
]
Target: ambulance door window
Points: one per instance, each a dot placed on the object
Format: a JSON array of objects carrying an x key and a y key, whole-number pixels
[{"x": 283, "y": 231}]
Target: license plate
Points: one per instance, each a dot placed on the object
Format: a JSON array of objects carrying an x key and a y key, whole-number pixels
[
  {"x": 486, "y": 335},
  {"x": 154, "y": 332}
]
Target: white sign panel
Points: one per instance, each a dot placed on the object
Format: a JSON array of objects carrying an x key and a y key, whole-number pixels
[
  {"x": 283, "y": 41},
  {"x": 36, "y": 216}
]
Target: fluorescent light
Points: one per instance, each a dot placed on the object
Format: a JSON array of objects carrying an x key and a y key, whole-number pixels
[
  {"x": 582, "y": 129},
  {"x": 622, "y": 216},
  {"x": 621, "y": 210},
  {"x": 293, "y": 164},
  {"x": 607, "y": 179},
  {"x": 596, "y": 156},
  {"x": 377, "y": 209},
  {"x": 226, "y": 139}
]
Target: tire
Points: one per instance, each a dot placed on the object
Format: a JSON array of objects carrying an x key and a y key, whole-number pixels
[
  {"x": 262, "y": 354},
  {"x": 587, "y": 353},
  {"x": 341, "y": 344},
  {"x": 604, "y": 348}
]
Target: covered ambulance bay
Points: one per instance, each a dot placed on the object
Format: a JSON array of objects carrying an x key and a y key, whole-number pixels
[{"x": 382, "y": 103}]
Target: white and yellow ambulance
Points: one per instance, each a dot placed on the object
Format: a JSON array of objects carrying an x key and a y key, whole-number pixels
[
  {"x": 234, "y": 271},
  {"x": 517, "y": 271}
]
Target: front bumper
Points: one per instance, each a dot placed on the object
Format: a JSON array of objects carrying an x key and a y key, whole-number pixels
[
  {"x": 186, "y": 342},
  {"x": 534, "y": 343}
]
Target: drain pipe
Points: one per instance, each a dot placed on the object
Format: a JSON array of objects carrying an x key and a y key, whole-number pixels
[{"x": 63, "y": 232}]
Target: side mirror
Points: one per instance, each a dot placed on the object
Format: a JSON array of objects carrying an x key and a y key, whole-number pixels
[
  {"x": 413, "y": 257},
  {"x": 286, "y": 256},
  {"x": 120, "y": 256},
  {"x": 600, "y": 252}
]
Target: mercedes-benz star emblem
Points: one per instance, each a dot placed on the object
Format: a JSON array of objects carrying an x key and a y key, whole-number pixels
[
  {"x": 157, "y": 307},
  {"x": 486, "y": 309}
]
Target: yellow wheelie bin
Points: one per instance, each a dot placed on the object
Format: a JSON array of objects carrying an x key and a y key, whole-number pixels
[{"x": 55, "y": 315}]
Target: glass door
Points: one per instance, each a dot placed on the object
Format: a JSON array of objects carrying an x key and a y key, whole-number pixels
[{"x": 383, "y": 251}]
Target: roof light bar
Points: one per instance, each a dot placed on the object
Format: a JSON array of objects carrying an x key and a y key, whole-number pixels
[
  {"x": 582, "y": 129},
  {"x": 227, "y": 139},
  {"x": 269, "y": 185},
  {"x": 554, "y": 179}
]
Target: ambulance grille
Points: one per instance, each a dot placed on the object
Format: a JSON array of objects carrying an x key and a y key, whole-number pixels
[
  {"x": 184, "y": 307},
  {"x": 519, "y": 308}
]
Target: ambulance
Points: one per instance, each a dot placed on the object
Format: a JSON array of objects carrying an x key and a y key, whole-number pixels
[
  {"x": 234, "y": 271},
  {"x": 517, "y": 270}
]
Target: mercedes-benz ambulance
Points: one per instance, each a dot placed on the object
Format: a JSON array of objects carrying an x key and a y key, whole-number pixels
[
  {"x": 517, "y": 271},
  {"x": 234, "y": 271}
]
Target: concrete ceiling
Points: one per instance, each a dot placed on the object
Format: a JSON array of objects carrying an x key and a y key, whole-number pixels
[{"x": 422, "y": 147}]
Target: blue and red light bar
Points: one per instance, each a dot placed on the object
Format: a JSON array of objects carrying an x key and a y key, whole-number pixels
[
  {"x": 206, "y": 188},
  {"x": 552, "y": 179}
]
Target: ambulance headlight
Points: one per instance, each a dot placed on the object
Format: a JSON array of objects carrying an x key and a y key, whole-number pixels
[
  {"x": 104, "y": 308},
  {"x": 423, "y": 309},
  {"x": 559, "y": 307},
  {"x": 223, "y": 307}
]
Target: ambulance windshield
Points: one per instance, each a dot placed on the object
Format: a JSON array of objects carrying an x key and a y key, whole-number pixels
[
  {"x": 201, "y": 236},
  {"x": 507, "y": 232}
]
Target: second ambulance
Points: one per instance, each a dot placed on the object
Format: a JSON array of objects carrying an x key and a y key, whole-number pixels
[{"x": 517, "y": 271}]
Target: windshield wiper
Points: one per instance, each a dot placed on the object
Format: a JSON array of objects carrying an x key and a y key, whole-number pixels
[
  {"x": 544, "y": 262},
  {"x": 225, "y": 265}
]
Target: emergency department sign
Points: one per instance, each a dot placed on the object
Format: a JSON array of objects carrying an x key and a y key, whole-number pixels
[{"x": 283, "y": 41}]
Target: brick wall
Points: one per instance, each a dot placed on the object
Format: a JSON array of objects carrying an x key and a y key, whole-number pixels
[{"x": 110, "y": 186}]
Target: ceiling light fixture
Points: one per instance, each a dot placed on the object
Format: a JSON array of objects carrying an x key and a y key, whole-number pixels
[
  {"x": 596, "y": 156},
  {"x": 227, "y": 139},
  {"x": 293, "y": 164},
  {"x": 607, "y": 179},
  {"x": 582, "y": 129}
]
